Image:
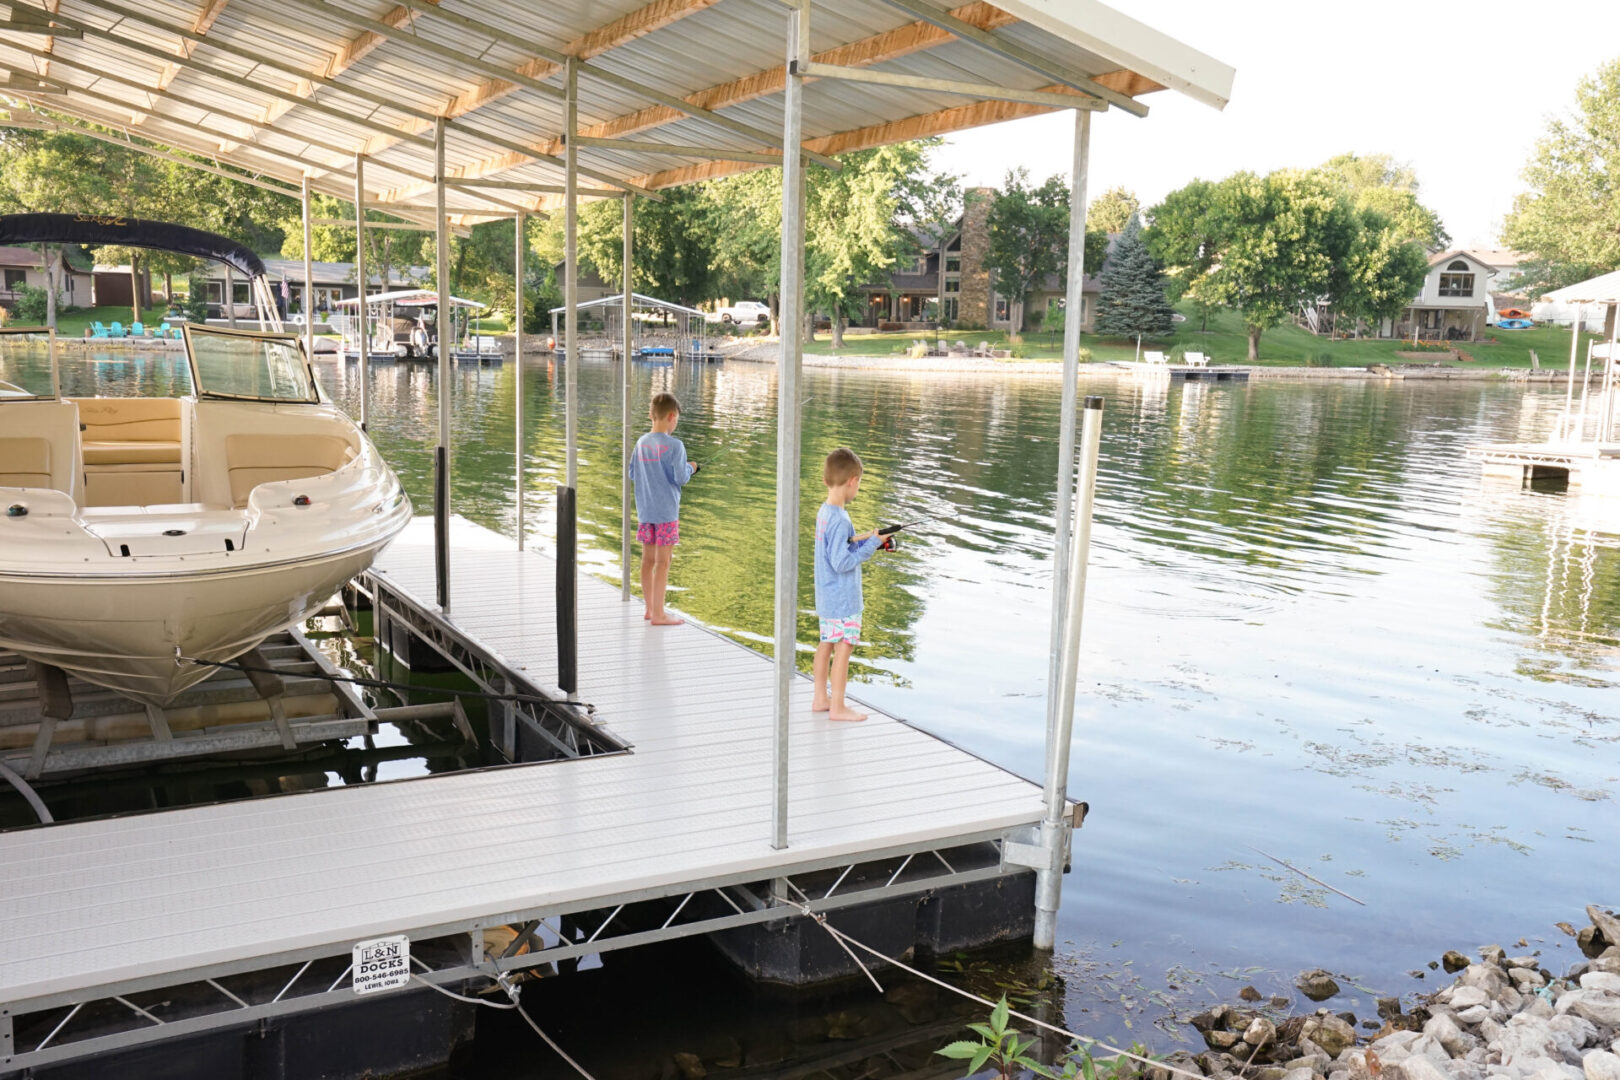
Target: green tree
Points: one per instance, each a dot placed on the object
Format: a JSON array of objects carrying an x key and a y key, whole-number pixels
[
  {"x": 1029, "y": 237},
  {"x": 1378, "y": 183},
  {"x": 1569, "y": 219},
  {"x": 1262, "y": 245},
  {"x": 1132, "y": 301},
  {"x": 673, "y": 249},
  {"x": 1111, "y": 211},
  {"x": 1380, "y": 273}
]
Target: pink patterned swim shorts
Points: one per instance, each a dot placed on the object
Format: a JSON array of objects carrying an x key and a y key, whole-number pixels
[
  {"x": 663, "y": 534},
  {"x": 835, "y": 630}
]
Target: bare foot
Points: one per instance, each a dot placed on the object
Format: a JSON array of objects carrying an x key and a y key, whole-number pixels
[
  {"x": 666, "y": 620},
  {"x": 820, "y": 705},
  {"x": 846, "y": 714},
  {"x": 646, "y": 614}
]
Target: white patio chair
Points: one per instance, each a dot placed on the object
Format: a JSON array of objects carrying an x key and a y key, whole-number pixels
[
  {"x": 1196, "y": 359},
  {"x": 1151, "y": 357}
]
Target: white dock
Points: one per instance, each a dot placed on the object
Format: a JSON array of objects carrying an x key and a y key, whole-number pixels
[
  {"x": 94, "y": 909},
  {"x": 1590, "y": 466}
]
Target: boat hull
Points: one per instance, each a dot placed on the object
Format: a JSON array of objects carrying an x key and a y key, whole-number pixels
[{"x": 128, "y": 634}]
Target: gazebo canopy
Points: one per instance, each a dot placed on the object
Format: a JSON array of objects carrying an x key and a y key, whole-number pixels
[
  {"x": 669, "y": 91},
  {"x": 1603, "y": 289},
  {"x": 636, "y": 300}
]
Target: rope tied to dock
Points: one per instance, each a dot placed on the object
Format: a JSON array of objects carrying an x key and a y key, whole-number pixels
[{"x": 846, "y": 941}]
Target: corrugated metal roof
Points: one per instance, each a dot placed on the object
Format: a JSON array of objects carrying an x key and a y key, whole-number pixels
[{"x": 281, "y": 86}]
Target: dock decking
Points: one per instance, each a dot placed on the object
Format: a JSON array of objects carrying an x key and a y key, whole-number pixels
[{"x": 93, "y": 909}]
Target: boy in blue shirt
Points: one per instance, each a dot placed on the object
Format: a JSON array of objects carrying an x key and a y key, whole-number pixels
[
  {"x": 839, "y": 554},
  {"x": 659, "y": 469}
]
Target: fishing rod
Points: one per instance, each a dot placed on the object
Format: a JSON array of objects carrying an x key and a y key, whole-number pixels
[{"x": 888, "y": 533}]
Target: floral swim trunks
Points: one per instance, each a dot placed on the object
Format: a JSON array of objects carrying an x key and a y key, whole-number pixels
[
  {"x": 842, "y": 630},
  {"x": 663, "y": 534}
]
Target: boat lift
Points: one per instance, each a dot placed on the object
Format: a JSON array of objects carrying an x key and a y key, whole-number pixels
[
  {"x": 418, "y": 339},
  {"x": 659, "y": 329}
]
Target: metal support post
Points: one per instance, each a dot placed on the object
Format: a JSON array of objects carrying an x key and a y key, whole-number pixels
[
  {"x": 519, "y": 249},
  {"x": 1074, "y": 298},
  {"x": 788, "y": 416},
  {"x": 1569, "y": 387},
  {"x": 1055, "y": 827},
  {"x": 230, "y": 284},
  {"x": 571, "y": 275},
  {"x": 309, "y": 282},
  {"x": 567, "y": 594},
  {"x": 624, "y": 392},
  {"x": 360, "y": 276},
  {"x": 441, "y": 460}
]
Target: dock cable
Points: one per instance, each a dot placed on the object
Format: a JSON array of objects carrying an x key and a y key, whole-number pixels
[
  {"x": 846, "y": 941},
  {"x": 397, "y": 687},
  {"x": 512, "y": 992}
]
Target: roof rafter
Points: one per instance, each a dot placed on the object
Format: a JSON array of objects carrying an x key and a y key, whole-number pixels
[
  {"x": 889, "y": 45},
  {"x": 199, "y": 26}
]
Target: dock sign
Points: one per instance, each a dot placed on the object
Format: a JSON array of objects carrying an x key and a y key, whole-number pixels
[{"x": 382, "y": 964}]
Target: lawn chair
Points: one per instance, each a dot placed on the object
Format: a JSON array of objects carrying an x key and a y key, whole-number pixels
[
  {"x": 117, "y": 330},
  {"x": 1196, "y": 359},
  {"x": 137, "y": 329},
  {"x": 97, "y": 330},
  {"x": 1151, "y": 357}
]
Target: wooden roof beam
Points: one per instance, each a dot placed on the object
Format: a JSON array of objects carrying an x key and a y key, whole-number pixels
[{"x": 200, "y": 26}]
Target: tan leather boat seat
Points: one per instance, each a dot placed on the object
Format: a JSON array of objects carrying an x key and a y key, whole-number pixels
[
  {"x": 40, "y": 447},
  {"x": 25, "y": 463},
  {"x": 251, "y": 460},
  {"x": 132, "y": 450}
]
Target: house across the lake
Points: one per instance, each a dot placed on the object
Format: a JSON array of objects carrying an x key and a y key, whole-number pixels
[
  {"x": 1457, "y": 302},
  {"x": 333, "y": 281},
  {"x": 916, "y": 293},
  {"x": 23, "y": 266}
]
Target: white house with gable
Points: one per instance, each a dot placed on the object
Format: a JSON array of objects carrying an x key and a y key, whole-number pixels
[{"x": 1455, "y": 303}]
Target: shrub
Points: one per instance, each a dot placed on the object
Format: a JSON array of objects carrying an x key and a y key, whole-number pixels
[
  {"x": 32, "y": 304},
  {"x": 1177, "y": 354},
  {"x": 1319, "y": 359},
  {"x": 196, "y": 308},
  {"x": 1084, "y": 356}
]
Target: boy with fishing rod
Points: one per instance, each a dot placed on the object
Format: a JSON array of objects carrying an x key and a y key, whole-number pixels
[{"x": 839, "y": 555}]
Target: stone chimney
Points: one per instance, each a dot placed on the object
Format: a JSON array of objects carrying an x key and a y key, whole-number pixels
[{"x": 973, "y": 302}]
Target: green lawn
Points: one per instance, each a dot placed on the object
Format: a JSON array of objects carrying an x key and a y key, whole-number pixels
[{"x": 1227, "y": 343}]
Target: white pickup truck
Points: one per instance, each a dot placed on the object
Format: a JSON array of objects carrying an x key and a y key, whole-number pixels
[{"x": 743, "y": 312}]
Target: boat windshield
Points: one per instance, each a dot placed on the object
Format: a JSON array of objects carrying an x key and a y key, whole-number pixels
[
  {"x": 26, "y": 369},
  {"x": 247, "y": 365}
]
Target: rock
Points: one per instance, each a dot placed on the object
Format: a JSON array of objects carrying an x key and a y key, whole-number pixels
[
  {"x": 1453, "y": 961},
  {"x": 767, "y": 1048},
  {"x": 1238, "y": 1020},
  {"x": 1474, "y": 1015},
  {"x": 690, "y": 1066},
  {"x": 1332, "y": 1034},
  {"x": 1213, "y": 1063},
  {"x": 1315, "y": 1062},
  {"x": 1259, "y": 1032},
  {"x": 1444, "y": 1030},
  {"x": 1429, "y": 1047},
  {"x": 1607, "y": 962},
  {"x": 1466, "y": 997},
  {"x": 1523, "y": 962},
  {"x": 1359, "y": 1066},
  {"x": 1299, "y": 1074},
  {"x": 1317, "y": 984},
  {"x": 843, "y": 1025},
  {"x": 1389, "y": 1007},
  {"x": 1511, "y": 1000},
  {"x": 1572, "y": 1033},
  {"x": 1606, "y": 923},
  {"x": 1416, "y": 1067},
  {"x": 1601, "y": 980},
  {"x": 1221, "y": 1039},
  {"x": 1209, "y": 1021},
  {"x": 1600, "y": 1008},
  {"x": 1493, "y": 954},
  {"x": 1601, "y": 1065},
  {"x": 1525, "y": 1038},
  {"x": 1249, "y": 993},
  {"x": 1526, "y": 979},
  {"x": 721, "y": 1050},
  {"x": 1486, "y": 977},
  {"x": 1566, "y": 928},
  {"x": 1400, "y": 1040},
  {"x": 1592, "y": 942},
  {"x": 1279, "y": 1002}
]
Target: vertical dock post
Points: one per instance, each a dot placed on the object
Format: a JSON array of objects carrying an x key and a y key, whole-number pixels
[
  {"x": 624, "y": 403},
  {"x": 567, "y": 594},
  {"x": 1073, "y": 316},
  {"x": 309, "y": 281},
  {"x": 441, "y": 455},
  {"x": 789, "y": 323},
  {"x": 360, "y": 276},
  {"x": 518, "y": 251},
  {"x": 230, "y": 279},
  {"x": 571, "y": 273},
  {"x": 1055, "y": 827}
]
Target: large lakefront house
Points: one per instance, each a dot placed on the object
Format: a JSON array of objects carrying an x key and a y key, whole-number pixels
[
  {"x": 948, "y": 281},
  {"x": 25, "y": 267}
]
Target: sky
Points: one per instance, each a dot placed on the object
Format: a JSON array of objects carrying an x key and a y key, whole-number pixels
[{"x": 1460, "y": 90}]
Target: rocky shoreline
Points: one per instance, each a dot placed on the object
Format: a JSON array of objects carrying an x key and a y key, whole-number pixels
[{"x": 1504, "y": 1016}]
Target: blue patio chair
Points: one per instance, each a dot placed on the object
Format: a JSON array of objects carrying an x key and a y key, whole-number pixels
[
  {"x": 137, "y": 329},
  {"x": 117, "y": 330},
  {"x": 97, "y": 329}
]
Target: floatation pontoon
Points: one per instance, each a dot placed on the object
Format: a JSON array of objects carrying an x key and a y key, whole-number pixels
[{"x": 136, "y": 531}]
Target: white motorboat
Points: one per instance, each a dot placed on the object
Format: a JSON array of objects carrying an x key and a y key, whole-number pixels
[{"x": 138, "y": 534}]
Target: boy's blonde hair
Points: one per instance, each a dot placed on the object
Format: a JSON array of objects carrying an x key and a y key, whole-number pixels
[
  {"x": 842, "y": 464},
  {"x": 663, "y": 405}
]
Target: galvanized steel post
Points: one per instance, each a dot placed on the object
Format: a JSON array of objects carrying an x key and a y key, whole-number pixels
[
  {"x": 360, "y": 276},
  {"x": 230, "y": 278},
  {"x": 441, "y": 456},
  {"x": 571, "y": 273},
  {"x": 624, "y": 402},
  {"x": 787, "y": 415},
  {"x": 1074, "y": 299},
  {"x": 518, "y": 250},
  {"x": 1055, "y": 828},
  {"x": 309, "y": 281}
]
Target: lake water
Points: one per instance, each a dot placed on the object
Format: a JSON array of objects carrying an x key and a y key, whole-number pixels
[{"x": 1311, "y": 631}]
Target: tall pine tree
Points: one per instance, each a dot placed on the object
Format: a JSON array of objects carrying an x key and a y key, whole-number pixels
[{"x": 1132, "y": 299}]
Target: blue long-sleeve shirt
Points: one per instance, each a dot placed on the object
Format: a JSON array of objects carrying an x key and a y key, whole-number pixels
[
  {"x": 659, "y": 471},
  {"x": 838, "y": 563}
]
